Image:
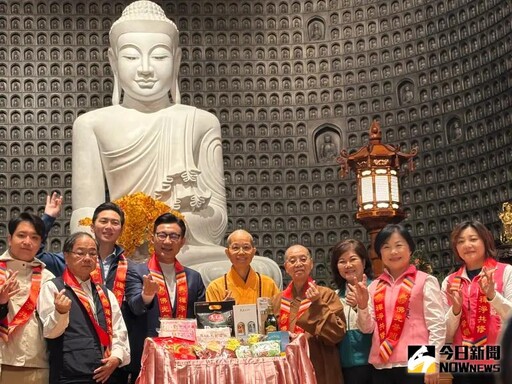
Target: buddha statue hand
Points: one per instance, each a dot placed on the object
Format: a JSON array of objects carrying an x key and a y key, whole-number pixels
[
  {"x": 198, "y": 202},
  {"x": 190, "y": 175}
]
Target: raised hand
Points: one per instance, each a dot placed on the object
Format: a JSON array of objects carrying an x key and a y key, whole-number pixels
[
  {"x": 454, "y": 293},
  {"x": 62, "y": 302},
  {"x": 312, "y": 292},
  {"x": 486, "y": 282},
  {"x": 149, "y": 286},
  {"x": 361, "y": 293},
  {"x": 350, "y": 295},
  {"x": 9, "y": 288},
  {"x": 53, "y": 205}
]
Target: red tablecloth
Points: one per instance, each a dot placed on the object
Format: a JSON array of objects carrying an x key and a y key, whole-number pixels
[{"x": 160, "y": 367}]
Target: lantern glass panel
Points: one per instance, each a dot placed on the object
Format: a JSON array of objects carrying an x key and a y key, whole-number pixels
[{"x": 367, "y": 192}]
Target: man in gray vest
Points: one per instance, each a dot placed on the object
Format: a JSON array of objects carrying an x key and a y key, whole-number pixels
[{"x": 87, "y": 336}]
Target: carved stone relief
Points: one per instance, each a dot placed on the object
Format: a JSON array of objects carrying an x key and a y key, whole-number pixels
[{"x": 276, "y": 73}]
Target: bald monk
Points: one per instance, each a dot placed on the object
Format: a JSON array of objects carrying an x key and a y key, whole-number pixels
[
  {"x": 316, "y": 311},
  {"x": 241, "y": 283}
]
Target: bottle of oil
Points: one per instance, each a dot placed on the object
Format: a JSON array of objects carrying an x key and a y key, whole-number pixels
[{"x": 271, "y": 321}]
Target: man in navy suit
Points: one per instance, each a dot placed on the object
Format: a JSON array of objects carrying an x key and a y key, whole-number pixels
[
  {"x": 163, "y": 288},
  {"x": 107, "y": 225}
]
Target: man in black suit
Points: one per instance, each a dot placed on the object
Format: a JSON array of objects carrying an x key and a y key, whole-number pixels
[{"x": 163, "y": 288}]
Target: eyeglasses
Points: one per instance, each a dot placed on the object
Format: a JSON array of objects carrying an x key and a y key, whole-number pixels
[
  {"x": 83, "y": 254},
  {"x": 246, "y": 248},
  {"x": 293, "y": 261},
  {"x": 162, "y": 236}
]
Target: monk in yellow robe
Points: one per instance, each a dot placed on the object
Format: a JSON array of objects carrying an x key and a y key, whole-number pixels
[{"x": 241, "y": 283}]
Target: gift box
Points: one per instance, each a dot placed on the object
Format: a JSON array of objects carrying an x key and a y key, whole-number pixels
[
  {"x": 245, "y": 318},
  {"x": 283, "y": 337}
]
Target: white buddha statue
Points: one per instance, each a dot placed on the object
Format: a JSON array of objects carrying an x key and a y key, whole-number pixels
[{"x": 146, "y": 143}]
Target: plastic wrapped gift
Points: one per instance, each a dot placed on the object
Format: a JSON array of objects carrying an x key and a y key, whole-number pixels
[
  {"x": 213, "y": 334},
  {"x": 214, "y": 314},
  {"x": 180, "y": 328},
  {"x": 180, "y": 349}
]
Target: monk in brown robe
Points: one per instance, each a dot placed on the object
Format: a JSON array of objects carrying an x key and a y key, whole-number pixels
[{"x": 305, "y": 307}]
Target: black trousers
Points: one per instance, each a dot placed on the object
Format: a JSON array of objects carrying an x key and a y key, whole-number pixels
[
  {"x": 473, "y": 378},
  {"x": 361, "y": 374},
  {"x": 397, "y": 375}
]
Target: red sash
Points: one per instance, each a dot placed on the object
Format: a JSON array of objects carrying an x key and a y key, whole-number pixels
[
  {"x": 164, "y": 302},
  {"x": 119, "y": 281},
  {"x": 28, "y": 307},
  {"x": 104, "y": 336},
  {"x": 284, "y": 312},
  {"x": 389, "y": 339},
  {"x": 480, "y": 318}
]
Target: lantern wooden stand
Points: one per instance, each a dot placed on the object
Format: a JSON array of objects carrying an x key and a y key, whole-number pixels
[{"x": 378, "y": 196}]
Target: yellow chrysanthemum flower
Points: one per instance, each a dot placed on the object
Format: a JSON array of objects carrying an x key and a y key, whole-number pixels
[{"x": 140, "y": 212}]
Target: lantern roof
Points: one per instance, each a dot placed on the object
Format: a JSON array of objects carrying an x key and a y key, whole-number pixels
[{"x": 375, "y": 154}]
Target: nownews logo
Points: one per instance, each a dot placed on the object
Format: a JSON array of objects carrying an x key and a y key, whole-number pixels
[
  {"x": 422, "y": 359},
  {"x": 470, "y": 359},
  {"x": 454, "y": 359}
]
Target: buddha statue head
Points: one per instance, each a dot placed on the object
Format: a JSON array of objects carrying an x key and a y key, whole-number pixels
[{"x": 144, "y": 54}]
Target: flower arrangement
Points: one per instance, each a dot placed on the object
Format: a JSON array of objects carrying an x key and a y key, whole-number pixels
[{"x": 140, "y": 211}]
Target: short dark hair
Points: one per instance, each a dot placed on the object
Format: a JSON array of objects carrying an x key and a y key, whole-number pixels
[
  {"x": 71, "y": 240},
  {"x": 386, "y": 232},
  {"x": 36, "y": 222},
  {"x": 340, "y": 248},
  {"x": 483, "y": 233},
  {"x": 108, "y": 206},
  {"x": 169, "y": 218}
]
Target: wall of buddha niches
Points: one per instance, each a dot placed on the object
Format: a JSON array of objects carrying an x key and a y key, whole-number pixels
[{"x": 292, "y": 83}]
